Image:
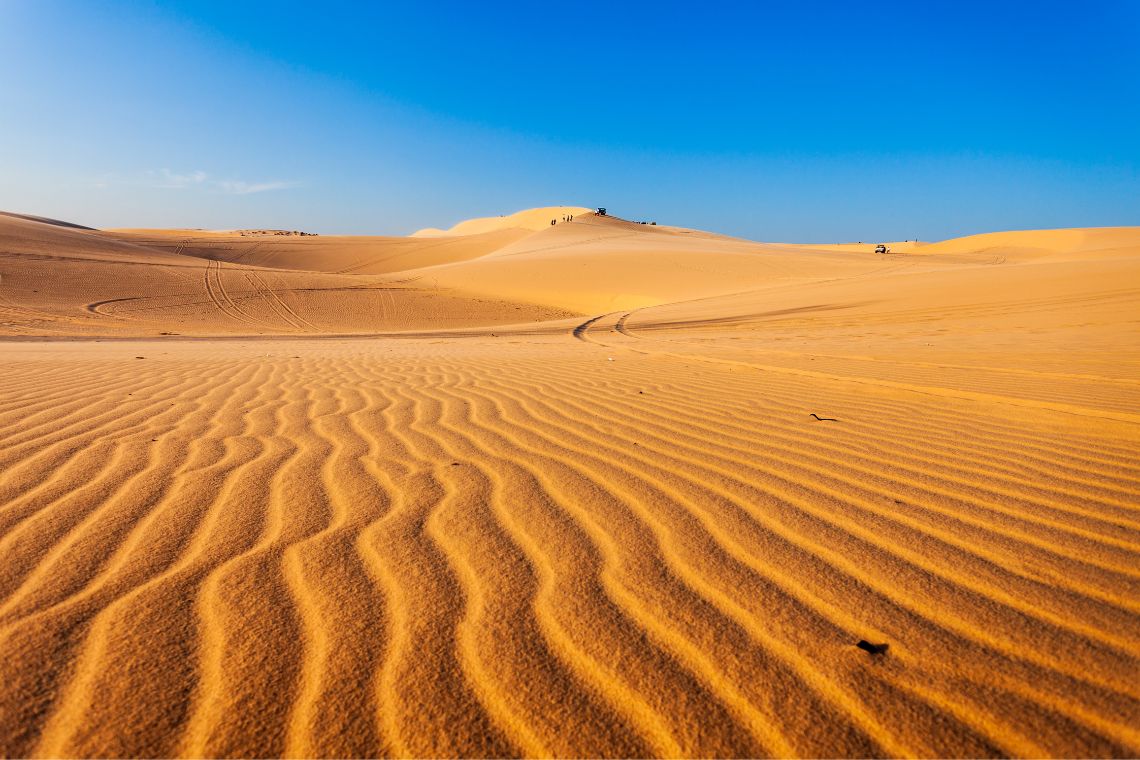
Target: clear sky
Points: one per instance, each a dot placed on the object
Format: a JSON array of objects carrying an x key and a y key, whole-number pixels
[{"x": 797, "y": 121}]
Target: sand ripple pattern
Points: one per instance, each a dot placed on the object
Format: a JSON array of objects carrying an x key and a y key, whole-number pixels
[{"x": 558, "y": 548}]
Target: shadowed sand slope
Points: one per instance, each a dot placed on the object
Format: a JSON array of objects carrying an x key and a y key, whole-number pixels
[
  {"x": 44, "y": 220},
  {"x": 58, "y": 281},
  {"x": 325, "y": 253},
  {"x": 758, "y": 500}
]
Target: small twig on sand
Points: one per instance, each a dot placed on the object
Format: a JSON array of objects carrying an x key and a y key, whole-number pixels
[{"x": 823, "y": 419}]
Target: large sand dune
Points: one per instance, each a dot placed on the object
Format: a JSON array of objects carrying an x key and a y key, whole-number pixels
[{"x": 565, "y": 490}]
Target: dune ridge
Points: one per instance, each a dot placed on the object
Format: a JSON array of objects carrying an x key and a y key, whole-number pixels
[{"x": 570, "y": 499}]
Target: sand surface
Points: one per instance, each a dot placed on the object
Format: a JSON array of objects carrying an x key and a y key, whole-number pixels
[{"x": 559, "y": 492}]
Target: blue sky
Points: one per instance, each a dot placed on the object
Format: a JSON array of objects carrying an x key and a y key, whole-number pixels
[{"x": 806, "y": 121}]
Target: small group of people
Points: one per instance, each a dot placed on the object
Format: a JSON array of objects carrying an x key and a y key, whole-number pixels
[{"x": 565, "y": 218}]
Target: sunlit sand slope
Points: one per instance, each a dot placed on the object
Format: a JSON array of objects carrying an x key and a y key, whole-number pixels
[
  {"x": 578, "y": 544},
  {"x": 531, "y": 219},
  {"x": 1058, "y": 323},
  {"x": 596, "y": 264}
]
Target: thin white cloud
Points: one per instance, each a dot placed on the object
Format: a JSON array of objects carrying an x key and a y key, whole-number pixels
[
  {"x": 166, "y": 179},
  {"x": 237, "y": 187}
]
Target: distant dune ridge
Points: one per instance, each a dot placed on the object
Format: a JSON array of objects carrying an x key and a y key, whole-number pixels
[{"x": 594, "y": 488}]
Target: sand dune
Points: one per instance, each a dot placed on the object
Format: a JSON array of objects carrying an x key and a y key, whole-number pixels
[{"x": 562, "y": 494}]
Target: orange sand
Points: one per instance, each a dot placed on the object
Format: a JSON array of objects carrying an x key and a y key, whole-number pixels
[{"x": 544, "y": 491}]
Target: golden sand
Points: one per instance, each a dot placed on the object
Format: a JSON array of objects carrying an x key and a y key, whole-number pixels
[{"x": 561, "y": 492}]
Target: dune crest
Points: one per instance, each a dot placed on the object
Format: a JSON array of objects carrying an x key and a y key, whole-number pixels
[{"x": 533, "y": 219}]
